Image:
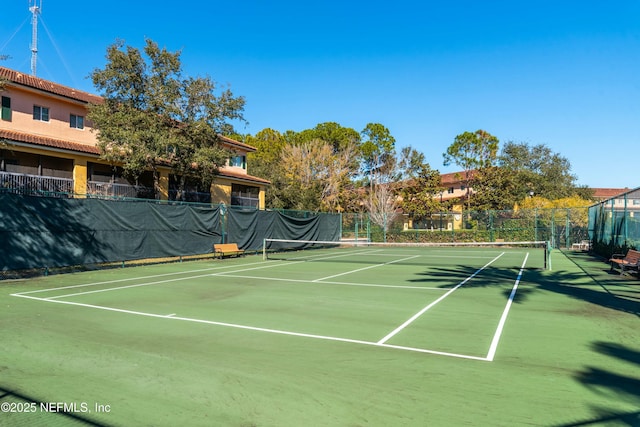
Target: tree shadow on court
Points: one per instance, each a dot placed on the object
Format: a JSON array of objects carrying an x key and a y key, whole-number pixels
[
  {"x": 53, "y": 417},
  {"x": 600, "y": 288},
  {"x": 604, "y": 382},
  {"x": 591, "y": 282},
  {"x": 458, "y": 273}
]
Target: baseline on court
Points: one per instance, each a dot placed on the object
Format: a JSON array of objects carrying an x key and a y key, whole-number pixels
[{"x": 86, "y": 295}]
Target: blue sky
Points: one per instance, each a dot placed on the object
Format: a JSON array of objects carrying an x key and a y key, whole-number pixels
[{"x": 561, "y": 73}]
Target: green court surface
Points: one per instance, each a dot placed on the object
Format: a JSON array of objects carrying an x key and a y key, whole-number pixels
[{"x": 389, "y": 337}]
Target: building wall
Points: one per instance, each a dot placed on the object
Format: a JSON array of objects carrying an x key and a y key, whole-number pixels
[
  {"x": 60, "y": 109},
  {"x": 23, "y": 98},
  {"x": 221, "y": 192}
]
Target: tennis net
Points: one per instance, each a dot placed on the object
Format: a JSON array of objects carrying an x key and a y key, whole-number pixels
[{"x": 533, "y": 254}]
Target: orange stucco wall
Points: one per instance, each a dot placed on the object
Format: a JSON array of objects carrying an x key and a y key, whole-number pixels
[{"x": 57, "y": 127}]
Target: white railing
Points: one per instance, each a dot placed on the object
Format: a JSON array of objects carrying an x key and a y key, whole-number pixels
[
  {"x": 35, "y": 184},
  {"x": 111, "y": 190}
]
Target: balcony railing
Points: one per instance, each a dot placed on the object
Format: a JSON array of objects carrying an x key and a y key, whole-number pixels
[
  {"x": 36, "y": 184},
  {"x": 120, "y": 191}
]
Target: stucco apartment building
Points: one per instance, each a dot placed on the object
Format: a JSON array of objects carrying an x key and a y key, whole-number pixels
[{"x": 48, "y": 146}]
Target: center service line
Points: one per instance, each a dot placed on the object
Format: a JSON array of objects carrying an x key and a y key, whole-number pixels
[
  {"x": 503, "y": 319},
  {"x": 365, "y": 268},
  {"x": 421, "y": 312}
]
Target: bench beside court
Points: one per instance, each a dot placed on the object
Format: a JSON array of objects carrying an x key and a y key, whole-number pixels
[
  {"x": 227, "y": 249},
  {"x": 630, "y": 261}
]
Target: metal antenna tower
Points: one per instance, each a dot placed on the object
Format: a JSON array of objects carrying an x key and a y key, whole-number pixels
[{"x": 35, "y": 11}]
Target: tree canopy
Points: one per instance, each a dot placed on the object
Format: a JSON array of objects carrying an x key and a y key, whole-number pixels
[
  {"x": 537, "y": 170},
  {"x": 472, "y": 151},
  {"x": 152, "y": 115},
  {"x": 330, "y": 167}
]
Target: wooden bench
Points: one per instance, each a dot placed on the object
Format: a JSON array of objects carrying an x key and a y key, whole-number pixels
[
  {"x": 630, "y": 261},
  {"x": 227, "y": 249}
]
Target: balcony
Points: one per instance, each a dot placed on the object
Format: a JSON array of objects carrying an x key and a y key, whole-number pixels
[
  {"x": 22, "y": 183},
  {"x": 108, "y": 190}
]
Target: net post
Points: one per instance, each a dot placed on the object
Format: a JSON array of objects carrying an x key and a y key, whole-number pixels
[
  {"x": 264, "y": 249},
  {"x": 547, "y": 254}
]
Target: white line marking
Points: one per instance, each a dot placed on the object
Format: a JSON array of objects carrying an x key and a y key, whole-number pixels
[
  {"x": 421, "y": 312},
  {"x": 279, "y": 279},
  {"x": 503, "y": 319},
  {"x": 253, "y": 328},
  {"x": 316, "y": 257},
  {"x": 365, "y": 268},
  {"x": 159, "y": 282},
  {"x": 381, "y": 343},
  {"x": 126, "y": 280}
]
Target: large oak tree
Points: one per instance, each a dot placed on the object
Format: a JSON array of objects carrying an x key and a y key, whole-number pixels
[{"x": 152, "y": 115}]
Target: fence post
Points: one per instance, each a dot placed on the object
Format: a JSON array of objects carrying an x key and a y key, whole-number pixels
[
  {"x": 624, "y": 218},
  {"x": 223, "y": 225},
  {"x": 491, "y": 235},
  {"x": 613, "y": 226},
  {"x": 566, "y": 230},
  {"x": 554, "y": 243}
]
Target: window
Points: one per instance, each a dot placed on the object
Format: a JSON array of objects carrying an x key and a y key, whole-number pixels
[
  {"x": 450, "y": 191},
  {"x": 239, "y": 161},
  {"x": 244, "y": 195},
  {"x": 6, "y": 109},
  {"x": 40, "y": 113},
  {"x": 76, "y": 122}
]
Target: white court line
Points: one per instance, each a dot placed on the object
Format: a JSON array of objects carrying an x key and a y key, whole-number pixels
[
  {"x": 381, "y": 343},
  {"x": 253, "y": 328},
  {"x": 159, "y": 282},
  {"x": 127, "y": 279},
  {"x": 421, "y": 312},
  {"x": 96, "y": 291},
  {"x": 503, "y": 319},
  {"x": 322, "y": 258},
  {"x": 278, "y": 279},
  {"x": 365, "y": 268}
]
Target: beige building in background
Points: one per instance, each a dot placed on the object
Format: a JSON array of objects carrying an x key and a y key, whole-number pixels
[{"x": 49, "y": 148}]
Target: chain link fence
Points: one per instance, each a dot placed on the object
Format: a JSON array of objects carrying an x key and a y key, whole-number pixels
[
  {"x": 614, "y": 224},
  {"x": 564, "y": 228}
]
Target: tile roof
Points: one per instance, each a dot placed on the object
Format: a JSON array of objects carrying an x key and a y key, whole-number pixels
[
  {"x": 47, "y": 86},
  {"x": 607, "y": 193},
  {"x": 238, "y": 144},
  {"x": 242, "y": 176},
  {"x": 48, "y": 142},
  {"x": 91, "y": 149},
  {"x": 454, "y": 177},
  {"x": 27, "y": 80}
]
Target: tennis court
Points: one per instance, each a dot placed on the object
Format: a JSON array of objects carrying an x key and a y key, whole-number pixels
[{"x": 362, "y": 335}]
